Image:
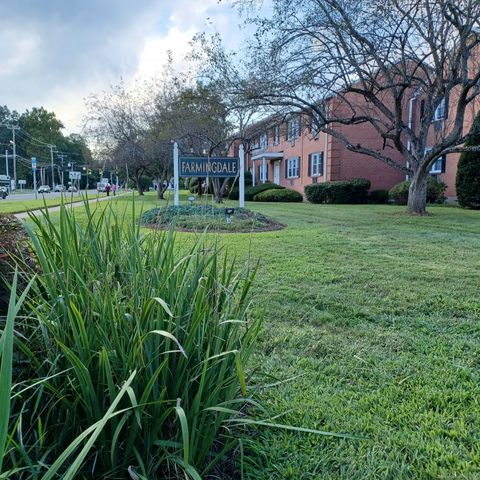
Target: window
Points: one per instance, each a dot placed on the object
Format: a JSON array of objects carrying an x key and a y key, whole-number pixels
[
  {"x": 263, "y": 172},
  {"x": 438, "y": 165},
  {"x": 316, "y": 164},
  {"x": 263, "y": 141},
  {"x": 276, "y": 134},
  {"x": 293, "y": 128},
  {"x": 293, "y": 167},
  {"x": 440, "y": 111}
]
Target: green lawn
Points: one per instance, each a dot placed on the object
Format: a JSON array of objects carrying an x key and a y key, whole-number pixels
[
  {"x": 17, "y": 205},
  {"x": 372, "y": 319}
]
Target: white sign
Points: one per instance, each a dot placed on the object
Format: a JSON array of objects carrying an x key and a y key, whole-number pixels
[
  {"x": 34, "y": 163},
  {"x": 75, "y": 175},
  {"x": 22, "y": 182}
]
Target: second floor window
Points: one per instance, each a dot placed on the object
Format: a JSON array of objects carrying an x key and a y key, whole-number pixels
[
  {"x": 263, "y": 141},
  {"x": 276, "y": 134},
  {"x": 441, "y": 111},
  {"x": 293, "y": 128}
]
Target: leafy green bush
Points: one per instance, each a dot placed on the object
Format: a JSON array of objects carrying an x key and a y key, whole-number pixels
[
  {"x": 109, "y": 306},
  {"x": 468, "y": 171},
  {"x": 252, "y": 191},
  {"x": 276, "y": 195},
  {"x": 233, "y": 190},
  {"x": 378, "y": 196},
  {"x": 435, "y": 191},
  {"x": 340, "y": 192}
]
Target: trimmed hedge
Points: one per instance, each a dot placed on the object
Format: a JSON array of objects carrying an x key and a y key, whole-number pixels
[
  {"x": 252, "y": 191},
  {"x": 346, "y": 191},
  {"x": 435, "y": 191},
  {"x": 278, "y": 195},
  {"x": 378, "y": 197}
]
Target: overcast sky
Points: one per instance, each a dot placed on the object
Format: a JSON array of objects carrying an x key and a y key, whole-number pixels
[{"x": 55, "y": 52}]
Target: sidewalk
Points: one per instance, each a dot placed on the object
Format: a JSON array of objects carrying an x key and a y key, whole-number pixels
[{"x": 24, "y": 215}]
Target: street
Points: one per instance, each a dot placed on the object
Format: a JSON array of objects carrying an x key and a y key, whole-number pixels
[{"x": 15, "y": 197}]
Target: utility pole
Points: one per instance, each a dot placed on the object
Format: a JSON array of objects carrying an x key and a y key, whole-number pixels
[
  {"x": 51, "y": 159},
  {"x": 61, "y": 156},
  {"x": 6, "y": 167},
  {"x": 14, "y": 127}
]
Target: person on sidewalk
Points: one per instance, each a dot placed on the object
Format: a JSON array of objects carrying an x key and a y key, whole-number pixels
[
  {"x": 114, "y": 189},
  {"x": 107, "y": 189}
]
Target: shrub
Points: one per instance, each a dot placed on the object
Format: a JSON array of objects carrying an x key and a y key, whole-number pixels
[
  {"x": 378, "y": 196},
  {"x": 468, "y": 172},
  {"x": 252, "y": 191},
  {"x": 435, "y": 191},
  {"x": 15, "y": 253},
  {"x": 113, "y": 307},
  {"x": 341, "y": 192},
  {"x": 276, "y": 195}
]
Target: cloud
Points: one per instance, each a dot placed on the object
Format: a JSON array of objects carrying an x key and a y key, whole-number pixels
[{"x": 55, "y": 53}]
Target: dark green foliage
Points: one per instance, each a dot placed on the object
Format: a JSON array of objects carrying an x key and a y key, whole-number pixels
[
  {"x": 435, "y": 191},
  {"x": 342, "y": 192},
  {"x": 468, "y": 172},
  {"x": 378, "y": 196},
  {"x": 252, "y": 191},
  {"x": 233, "y": 191},
  {"x": 277, "y": 195},
  {"x": 14, "y": 253}
]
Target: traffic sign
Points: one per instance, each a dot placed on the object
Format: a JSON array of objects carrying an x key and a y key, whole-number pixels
[
  {"x": 74, "y": 175},
  {"x": 34, "y": 163},
  {"x": 22, "y": 182}
]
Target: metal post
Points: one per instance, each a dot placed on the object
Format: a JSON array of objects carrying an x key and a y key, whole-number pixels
[
  {"x": 241, "y": 154},
  {"x": 175, "y": 175},
  {"x": 53, "y": 173},
  {"x": 264, "y": 168},
  {"x": 35, "y": 183},
  {"x": 14, "y": 157},
  {"x": 253, "y": 173},
  {"x": 6, "y": 164}
]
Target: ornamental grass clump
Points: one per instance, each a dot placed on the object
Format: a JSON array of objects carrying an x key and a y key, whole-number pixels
[{"x": 136, "y": 354}]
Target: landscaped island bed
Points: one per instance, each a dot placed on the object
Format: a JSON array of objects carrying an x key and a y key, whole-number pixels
[{"x": 200, "y": 217}]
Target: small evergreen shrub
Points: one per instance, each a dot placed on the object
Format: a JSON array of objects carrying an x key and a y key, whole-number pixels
[
  {"x": 378, "y": 197},
  {"x": 252, "y": 191},
  {"x": 340, "y": 192},
  {"x": 277, "y": 195},
  {"x": 468, "y": 172},
  {"x": 435, "y": 191}
]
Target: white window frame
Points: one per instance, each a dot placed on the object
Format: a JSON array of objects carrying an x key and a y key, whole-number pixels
[
  {"x": 263, "y": 172},
  {"x": 263, "y": 141},
  {"x": 293, "y": 128},
  {"x": 439, "y": 159},
  {"x": 440, "y": 111},
  {"x": 316, "y": 161},
  {"x": 276, "y": 134},
  {"x": 293, "y": 167}
]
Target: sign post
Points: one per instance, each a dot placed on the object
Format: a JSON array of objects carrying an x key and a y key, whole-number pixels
[
  {"x": 241, "y": 197},
  {"x": 34, "y": 170},
  {"x": 176, "y": 202}
]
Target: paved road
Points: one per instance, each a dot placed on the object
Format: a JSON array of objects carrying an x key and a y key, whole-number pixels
[{"x": 18, "y": 197}]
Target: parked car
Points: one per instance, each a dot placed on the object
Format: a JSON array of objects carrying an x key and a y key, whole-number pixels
[
  {"x": 72, "y": 188},
  {"x": 59, "y": 188},
  {"x": 44, "y": 189},
  {"x": 3, "y": 192}
]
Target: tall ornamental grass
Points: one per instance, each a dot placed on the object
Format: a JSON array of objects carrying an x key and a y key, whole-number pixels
[{"x": 131, "y": 355}]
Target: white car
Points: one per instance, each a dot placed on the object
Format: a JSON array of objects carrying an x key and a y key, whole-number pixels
[
  {"x": 3, "y": 192},
  {"x": 59, "y": 188},
  {"x": 44, "y": 189},
  {"x": 72, "y": 188}
]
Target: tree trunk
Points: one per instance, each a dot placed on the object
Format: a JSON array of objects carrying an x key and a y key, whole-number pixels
[
  {"x": 417, "y": 194},
  {"x": 161, "y": 188},
  {"x": 139, "y": 186}
]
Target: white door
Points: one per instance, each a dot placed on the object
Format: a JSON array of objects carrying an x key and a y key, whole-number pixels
[{"x": 276, "y": 173}]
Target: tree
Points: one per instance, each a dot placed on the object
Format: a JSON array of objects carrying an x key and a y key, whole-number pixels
[
  {"x": 468, "y": 171},
  {"x": 390, "y": 64}
]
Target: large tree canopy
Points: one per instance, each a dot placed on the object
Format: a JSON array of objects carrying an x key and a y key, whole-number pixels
[{"x": 390, "y": 64}]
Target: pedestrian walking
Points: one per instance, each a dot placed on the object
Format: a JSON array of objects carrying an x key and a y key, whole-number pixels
[
  {"x": 114, "y": 189},
  {"x": 107, "y": 189}
]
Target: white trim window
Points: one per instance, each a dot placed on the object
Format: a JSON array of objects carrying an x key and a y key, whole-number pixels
[
  {"x": 440, "y": 111},
  {"x": 293, "y": 127},
  {"x": 263, "y": 172},
  {"x": 276, "y": 134},
  {"x": 316, "y": 164},
  {"x": 438, "y": 165},
  {"x": 263, "y": 142},
  {"x": 293, "y": 167}
]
